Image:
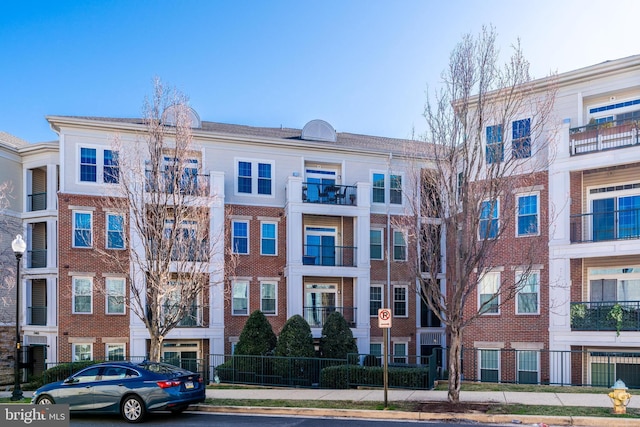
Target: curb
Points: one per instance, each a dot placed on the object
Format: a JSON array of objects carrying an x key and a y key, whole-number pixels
[{"x": 422, "y": 416}]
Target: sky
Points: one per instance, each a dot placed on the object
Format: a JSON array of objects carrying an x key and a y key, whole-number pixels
[{"x": 365, "y": 66}]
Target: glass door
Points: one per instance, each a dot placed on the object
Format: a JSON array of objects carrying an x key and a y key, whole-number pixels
[
  {"x": 320, "y": 301},
  {"x": 319, "y": 182},
  {"x": 320, "y": 246}
]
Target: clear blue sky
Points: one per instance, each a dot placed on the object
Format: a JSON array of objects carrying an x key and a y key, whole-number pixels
[{"x": 363, "y": 66}]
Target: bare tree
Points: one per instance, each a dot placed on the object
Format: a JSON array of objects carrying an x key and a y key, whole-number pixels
[
  {"x": 176, "y": 247},
  {"x": 466, "y": 193}
]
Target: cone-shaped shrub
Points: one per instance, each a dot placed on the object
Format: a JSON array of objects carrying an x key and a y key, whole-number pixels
[
  {"x": 337, "y": 339},
  {"x": 257, "y": 337}
]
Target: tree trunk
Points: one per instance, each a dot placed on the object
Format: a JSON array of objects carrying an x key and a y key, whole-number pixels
[
  {"x": 455, "y": 365},
  {"x": 155, "y": 348}
]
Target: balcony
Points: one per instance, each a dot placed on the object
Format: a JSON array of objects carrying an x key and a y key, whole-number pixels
[
  {"x": 317, "y": 316},
  {"x": 334, "y": 256},
  {"x": 37, "y": 202},
  {"x": 37, "y": 316},
  {"x": 189, "y": 184},
  {"x": 603, "y": 136},
  {"x": 605, "y": 316},
  {"x": 329, "y": 194},
  {"x": 37, "y": 258},
  {"x": 193, "y": 319},
  {"x": 605, "y": 226}
]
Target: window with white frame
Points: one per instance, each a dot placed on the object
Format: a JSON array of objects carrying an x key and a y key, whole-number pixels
[
  {"x": 268, "y": 297},
  {"x": 378, "y": 188},
  {"x": 375, "y": 300},
  {"x": 95, "y": 169},
  {"x": 489, "y": 219},
  {"x": 240, "y": 298},
  {"x": 395, "y": 189},
  {"x": 400, "y": 352},
  {"x": 115, "y": 295},
  {"x": 111, "y": 168},
  {"x": 521, "y": 138},
  {"x": 495, "y": 146},
  {"x": 489, "y": 296},
  {"x": 615, "y": 284},
  {"x": 400, "y": 301},
  {"x": 115, "y": 351},
  {"x": 115, "y": 231},
  {"x": 82, "y": 229},
  {"x": 528, "y": 295},
  {"x": 254, "y": 177},
  {"x": 386, "y": 186},
  {"x": 376, "y": 243},
  {"x": 528, "y": 363},
  {"x": 82, "y": 295},
  {"x": 240, "y": 237},
  {"x": 375, "y": 348},
  {"x": 268, "y": 238},
  {"x": 489, "y": 365},
  {"x": 399, "y": 246},
  {"x": 88, "y": 165},
  {"x": 528, "y": 214},
  {"x": 82, "y": 352}
]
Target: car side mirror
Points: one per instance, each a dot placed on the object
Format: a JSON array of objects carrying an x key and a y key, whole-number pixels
[{"x": 70, "y": 380}]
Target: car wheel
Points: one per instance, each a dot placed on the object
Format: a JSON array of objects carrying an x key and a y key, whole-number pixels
[
  {"x": 45, "y": 400},
  {"x": 132, "y": 409},
  {"x": 178, "y": 410}
]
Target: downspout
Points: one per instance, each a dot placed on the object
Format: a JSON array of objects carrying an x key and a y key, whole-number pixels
[{"x": 389, "y": 237}]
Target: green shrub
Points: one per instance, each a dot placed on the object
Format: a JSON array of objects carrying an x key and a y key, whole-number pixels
[
  {"x": 295, "y": 347},
  {"x": 257, "y": 337},
  {"x": 341, "y": 377},
  {"x": 337, "y": 339},
  {"x": 59, "y": 372}
]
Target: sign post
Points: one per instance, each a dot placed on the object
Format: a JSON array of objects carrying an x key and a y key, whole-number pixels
[{"x": 384, "y": 322}]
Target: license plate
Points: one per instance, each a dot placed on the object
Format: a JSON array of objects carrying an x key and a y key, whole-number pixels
[{"x": 188, "y": 384}]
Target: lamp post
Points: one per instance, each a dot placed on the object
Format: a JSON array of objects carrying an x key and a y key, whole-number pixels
[{"x": 19, "y": 246}]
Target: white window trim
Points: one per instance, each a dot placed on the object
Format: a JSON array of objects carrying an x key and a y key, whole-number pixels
[
  {"x": 406, "y": 301},
  {"x": 275, "y": 224},
  {"x": 498, "y": 292},
  {"x": 490, "y": 219},
  {"x": 73, "y": 350},
  {"x": 387, "y": 187},
  {"x": 275, "y": 284},
  {"x": 499, "y": 352},
  {"x": 381, "y": 231},
  {"x": 115, "y": 344},
  {"x": 106, "y": 231},
  {"x": 518, "y": 275},
  {"x": 381, "y": 298},
  {"x": 254, "y": 177},
  {"x": 248, "y": 237},
  {"x": 237, "y": 282},
  {"x": 73, "y": 228},
  {"x": 537, "y": 352},
  {"x": 402, "y": 188},
  {"x": 393, "y": 244},
  {"x": 107, "y": 295},
  {"x": 406, "y": 351},
  {"x": 518, "y": 196},
  {"x": 73, "y": 294},
  {"x": 100, "y": 149}
]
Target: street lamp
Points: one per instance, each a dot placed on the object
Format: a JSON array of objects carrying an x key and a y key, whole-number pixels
[{"x": 19, "y": 246}]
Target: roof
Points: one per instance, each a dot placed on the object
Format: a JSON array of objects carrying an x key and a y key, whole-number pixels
[{"x": 12, "y": 141}]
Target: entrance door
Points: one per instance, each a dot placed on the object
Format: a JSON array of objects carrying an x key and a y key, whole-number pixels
[
  {"x": 182, "y": 354},
  {"x": 320, "y": 301}
]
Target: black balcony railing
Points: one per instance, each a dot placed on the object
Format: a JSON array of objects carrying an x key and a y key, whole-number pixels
[
  {"x": 317, "y": 316},
  {"x": 603, "y": 136},
  {"x": 37, "y": 202},
  {"x": 335, "y": 256},
  {"x": 329, "y": 194},
  {"x": 37, "y": 258},
  {"x": 37, "y": 316},
  {"x": 192, "y": 319},
  {"x": 166, "y": 182},
  {"x": 603, "y": 226},
  {"x": 605, "y": 316},
  {"x": 189, "y": 251}
]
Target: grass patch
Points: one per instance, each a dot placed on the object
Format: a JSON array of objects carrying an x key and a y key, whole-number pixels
[
  {"x": 8, "y": 400},
  {"x": 526, "y": 388},
  {"x": 561, "y": 411},
  {"x": 320, "y": 404}
]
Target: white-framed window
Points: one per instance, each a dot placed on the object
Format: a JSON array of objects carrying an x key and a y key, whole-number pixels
[
  {"x": 116, "y": 288},
  {"x": 115, "y": 351},
  {"x": 376, "y": 243},
  {"x": 528, "y": 295},
  {"x": 386, "y": 187},
  {"x": 375, "y": 348},
  {"x": 400, "y": 301},
  {"x": 82, "y": 229},
  {"x": 82, "y": 352},
  {"x": 521, "y": 138},
  {"x": 489, "y": 293},
  {"x": 395, "y": 189},
  {"x": 528, "y": 366},
  {"x": 99, "y": 168},
  {"x": 489, "y": 219},
  {"x": 115, "y": 231},
  {"x": 82, "y": 295},
  {"x": 619, "y": 284},
  {"x": 269, "y": 298},
  {"x": 378, "y": 187},
  {"x": 268, "y": 238},
  {"x": 240, "y": 237},
  {"x": 489, "y": 365},
  {"x": 400, "y": 352},
  {"x": 240, "y": 298},
  {"x": 495, "y": 145},
  {"x": 528, "y": 206},
  {"x": 375, "y": 300},
  {"x": 399, "y": 245},
  {"x": 254, "y": 177}
]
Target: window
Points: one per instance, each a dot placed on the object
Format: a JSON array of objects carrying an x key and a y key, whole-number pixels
[
  {"x": 115, "y": 231},
  {"x": 268, "y": 238},
  {"x": 527, "y": 366},
  {"x": 489, "y": 365},
  {"x": 400, "y": 301},
  {"x": 399, "y": 246},
  {"x": 489, "y": 220},
  {"x": 115, "y": 352},
  {"x": 115, "y": 295},
  {"x": 376, "y": 244},
  {"x": 528, "y": 215},
  {"x": 255, "y": 177},
  {"x": 521, "y": 138},
  {"x": 489, "y": 301},
  {"x": 375, "y": 300},
  {"x": 82, "y": 352},
  {"x": 616, "y": 217},
  {"x": 375, "y": 348},
  {"x": 528, "y": 296},
  {"x": 268, "y": 298},
  {"x": 111, "y": 172},
  {"x": 400, "y": 352},
  {"x": 90, "y": 169},
  {"x": 395, "y": 190},
  {"x": 378, "y": 188},
  {"x": 610, "y": 285},
  {"x": 240, "y": 298},
  {"x": 88, "y": 165},
  {"x": 82, "y": 225},
  {"x": 240, "y": 237},
  {"x": 495, "y": 148},
  {"x": 82, "y": 295}
]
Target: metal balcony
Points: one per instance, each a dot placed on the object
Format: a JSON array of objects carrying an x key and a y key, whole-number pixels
[
  {"x": 605, "y": 226},
  {"x": 603, "y": 136}
]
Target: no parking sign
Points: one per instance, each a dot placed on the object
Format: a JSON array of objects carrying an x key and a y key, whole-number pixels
[{"x": 384, "y": 318}]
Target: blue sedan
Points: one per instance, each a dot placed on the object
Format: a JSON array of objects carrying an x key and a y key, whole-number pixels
[{"x": 127, "y": 388}]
